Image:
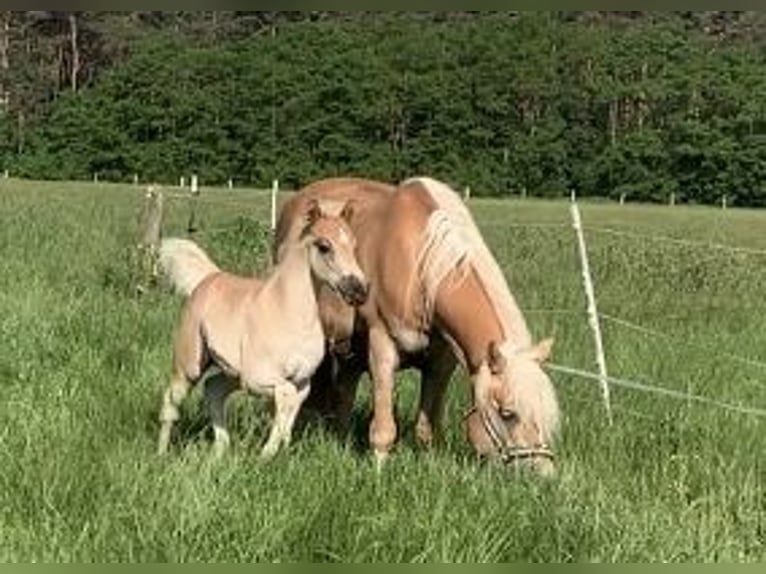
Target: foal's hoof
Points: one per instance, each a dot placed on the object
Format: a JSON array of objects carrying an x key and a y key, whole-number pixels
[{"x": 380, "y": 460}]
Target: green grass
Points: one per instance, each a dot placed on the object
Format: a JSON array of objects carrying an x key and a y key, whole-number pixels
[{"x": 83, "y": 362}]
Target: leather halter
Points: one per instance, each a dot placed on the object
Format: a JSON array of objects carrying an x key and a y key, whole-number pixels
[{"x": 507, "y": 452}]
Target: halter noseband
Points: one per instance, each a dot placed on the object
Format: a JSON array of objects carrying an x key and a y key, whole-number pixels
[{"x": 506, "y": 452}]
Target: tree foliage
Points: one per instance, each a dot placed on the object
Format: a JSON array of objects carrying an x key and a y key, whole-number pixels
[{"x": 609, "y": 104}]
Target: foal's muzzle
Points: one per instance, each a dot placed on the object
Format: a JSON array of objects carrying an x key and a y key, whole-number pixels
[{"x": 353, "y": 291}]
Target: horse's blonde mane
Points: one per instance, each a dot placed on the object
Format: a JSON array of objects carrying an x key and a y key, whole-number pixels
[{"x": 452, "y": 241}]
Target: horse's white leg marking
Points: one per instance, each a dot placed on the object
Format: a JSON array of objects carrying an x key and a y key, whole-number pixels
[
  {"x": 288, "y": 399},
  {"x": 175, "y": 393},
  {"x": 384, "y": 359},
  {"x": 217, "y": 390}
]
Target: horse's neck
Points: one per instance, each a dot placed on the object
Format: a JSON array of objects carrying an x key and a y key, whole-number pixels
[
  {"x": 465, "y": 310},
  {"x": 292, "y": 283}
]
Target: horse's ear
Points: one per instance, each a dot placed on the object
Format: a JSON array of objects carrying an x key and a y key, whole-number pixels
[
  {"x": 348, "y": 210},
  {"x": 495, "y": 359},
  {"x": 313, "y": 211},
  {"x": 542, "y": 351}
]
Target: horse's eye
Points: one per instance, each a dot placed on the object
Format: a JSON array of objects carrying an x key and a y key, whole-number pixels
[
  {"x": 323, "y": 246},
  {"x": 508, "y": 415}
]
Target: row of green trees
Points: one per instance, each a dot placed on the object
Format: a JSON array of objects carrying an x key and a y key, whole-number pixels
[{"x": 535, "y": 103}]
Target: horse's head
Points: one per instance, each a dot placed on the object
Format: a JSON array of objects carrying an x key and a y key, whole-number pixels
[
  {"x": 515, "y": 413},
  {"x": 331, "y": 245}
]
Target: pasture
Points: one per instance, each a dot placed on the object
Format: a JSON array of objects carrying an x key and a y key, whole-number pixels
[{"x": 83, "y": 361}]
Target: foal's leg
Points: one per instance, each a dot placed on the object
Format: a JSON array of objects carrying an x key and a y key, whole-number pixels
[
  {"x": 189, "y": 362},
  {"x": 176, "y": 392},
  {"x": 288, "y": 398},
  {"x": 437, "y": 371},
  {"x": 384, "y": 360},
  {"x": 217, "y": 390}
]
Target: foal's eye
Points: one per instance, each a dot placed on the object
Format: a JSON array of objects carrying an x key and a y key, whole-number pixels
[{"x": 323, "y": 246}]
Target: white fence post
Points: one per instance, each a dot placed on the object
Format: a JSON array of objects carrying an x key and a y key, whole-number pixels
[
  {"x": 194, "y": 184},
  {"x": 230, "y": 183},
  {"x": 182, "y": 182},
  {"x": 672, "y": 198},
  {"x": 592, "y": 310},
  {"x": 6, "y": 174},
  {"x": 135, "y": 179},
  {"x": 724, "y": 202},
  {"x": 467, "y": 193},
  {"x": 274, "y": 192}
]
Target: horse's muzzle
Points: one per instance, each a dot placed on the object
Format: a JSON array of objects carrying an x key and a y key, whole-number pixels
[
  {"x": 353, "y": 291},
  {"x": 491, "y": 440}
]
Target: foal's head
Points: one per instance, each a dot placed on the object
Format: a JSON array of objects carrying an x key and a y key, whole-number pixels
[
  {"x": 516, "y": 414},
  {"x": 331, "y": 245}
]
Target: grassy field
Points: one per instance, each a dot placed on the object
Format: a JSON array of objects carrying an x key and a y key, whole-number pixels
[{"x": 83, "y": 361}]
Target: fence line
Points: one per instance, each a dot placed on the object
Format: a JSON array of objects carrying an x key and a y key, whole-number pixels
[
  {"x": 533, "y": 225},
  {"x": 655, "y": 333},
  {"x": 672, "y": 393},
  {"x": 675, "y": 240}
]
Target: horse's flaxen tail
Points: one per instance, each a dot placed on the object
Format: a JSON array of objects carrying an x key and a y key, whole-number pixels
[{"x": 185, "y": 264}]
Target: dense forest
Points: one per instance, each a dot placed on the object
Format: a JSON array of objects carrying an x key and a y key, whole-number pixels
[{"x": 631, "y": 104}]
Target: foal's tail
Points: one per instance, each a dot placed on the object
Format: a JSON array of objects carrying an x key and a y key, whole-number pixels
[{"x": 185, "y": 264}]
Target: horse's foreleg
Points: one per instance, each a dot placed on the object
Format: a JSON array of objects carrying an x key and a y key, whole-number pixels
[
  {"x": 288, "y": 399},
  {"x": 437, "y": 371},
  {"x": 384, "y": 360},
  {"x": 217, "y": 390}
]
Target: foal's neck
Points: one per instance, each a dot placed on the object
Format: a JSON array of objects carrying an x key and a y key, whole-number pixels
[{"x": 294, "y": 282}]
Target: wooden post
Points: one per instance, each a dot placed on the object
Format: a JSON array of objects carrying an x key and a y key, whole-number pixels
[
  {"x": 274, "y": 192},
  {"x": 467, "y": 193},
  {"x": 622, "y": 199},
  {"x": 6, "y": 174},
  {"x": 192, "y": 224},
  {"x": 523, "y": 192},
  {"x": 723, "y": 201},
  {"x": 149, "y": 241},
  {"x": 672, "y": 198},
  {"x": 592, "y": 310},
  {"x": 230, "y": 183},
  {"x": 182, "y": 182},
  {"x": 135, "y": 179},
  {"x": 572, "y": 196},
  {"x": 95, "y": 177}
]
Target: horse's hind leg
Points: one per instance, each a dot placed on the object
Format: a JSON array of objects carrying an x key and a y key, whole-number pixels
[
  {"x": 288, "y": 399},
  {"x": 217, "y": 389},
  {"x": 437, "y": 371}
]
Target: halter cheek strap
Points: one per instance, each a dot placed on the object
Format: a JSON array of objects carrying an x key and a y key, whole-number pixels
[{"x": 500, "y": 439}]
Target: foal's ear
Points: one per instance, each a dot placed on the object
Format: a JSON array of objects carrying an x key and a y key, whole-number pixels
[
  {"x": 348, "y": 210},
  {"x": 495, "y": 359},
  {"x": 542, "y": 351},
  {"x": 313, "y": 211}
]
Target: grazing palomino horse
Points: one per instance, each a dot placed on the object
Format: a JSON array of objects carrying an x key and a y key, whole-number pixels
[
  {"x": 436, "y": 296},
  {"x": 264, "y": 336}
]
